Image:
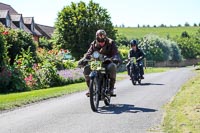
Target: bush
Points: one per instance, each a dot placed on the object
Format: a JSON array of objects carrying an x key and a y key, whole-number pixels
[
  {"x": 12, "y": 80},
  {"x": 160, "y": 49},
  {"x": 18, "y": 40},
  {"x": 47, "y": 76},
  {"x": 45, "y": 43},
  {"x": 189, "y": 46},
  {"x": 3, "y": 46},
  {"x": 69, "y": 64},
  {"x": 123, "y": 51}
]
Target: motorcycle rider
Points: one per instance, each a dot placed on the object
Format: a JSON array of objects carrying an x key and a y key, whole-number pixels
[
  {"x": 106, "y": 47},
  {"x": 138, "y": 54}
]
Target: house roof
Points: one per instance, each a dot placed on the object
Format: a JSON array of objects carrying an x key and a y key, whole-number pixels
[
  {"x": 37, "y": 32},
  {"x": 13, "y": 26},
  {"x": 7, "y": 7},
  {"x": 40, "y": 30},
  {"x": 28, "y": 20},
  {"x": 46, "y": 31},
  {"x": 4, "y": 13},
  {"x": 16, "y": 17}
]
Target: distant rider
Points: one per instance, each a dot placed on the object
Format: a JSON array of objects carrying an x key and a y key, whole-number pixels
[{"x": 138, "y": 54}]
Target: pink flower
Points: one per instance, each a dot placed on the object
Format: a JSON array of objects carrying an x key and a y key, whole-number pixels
[{"x": 5, "y": 33}]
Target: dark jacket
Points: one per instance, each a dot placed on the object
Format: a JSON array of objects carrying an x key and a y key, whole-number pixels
[
  {"x": 138, "y": 53},
  {"x": 109, "y": 49}
]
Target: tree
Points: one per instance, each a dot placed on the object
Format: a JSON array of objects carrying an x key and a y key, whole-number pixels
[
  {"x": 179, "y": 25},
  {"x": 122, "y": 40},
  {"x": 122, "y": 25},
  {"x": 195, "y": 25},
  {"x": 162, "y": 25},
  {"x": 185, "y": 34},
  {"x": 187, "y": 24},
  {"x": 77, "y": 24}
]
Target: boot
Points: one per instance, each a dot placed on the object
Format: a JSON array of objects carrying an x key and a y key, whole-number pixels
[{"x": 88, "y": 84}]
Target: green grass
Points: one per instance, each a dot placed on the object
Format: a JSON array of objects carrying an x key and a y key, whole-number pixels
[
  {"x": 11, "y": 101},
  {"x": 151, "y": 70},
  {"x": 133, "y": 32},
  {"x": 156, "y": 70},
  {"x": 183, "y": 113}
]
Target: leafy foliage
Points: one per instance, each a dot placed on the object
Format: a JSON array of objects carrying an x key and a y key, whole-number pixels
[
  {"x": 122, "y": 40},
  {"x": 189, "y": 44},
  {"x": 45, "y": 43},
  {"x": 3, "y": 46},
  {"x": 160, "y": 49},
  {"x": 123, "y": 51},
  {"x": 18, "y": 40},
  {"x": 77, "y": 24}
]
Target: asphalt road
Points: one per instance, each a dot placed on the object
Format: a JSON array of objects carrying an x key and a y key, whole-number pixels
[{"x": 136, "y": 109}]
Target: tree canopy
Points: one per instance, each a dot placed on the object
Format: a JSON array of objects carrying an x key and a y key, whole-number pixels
[{"x": 77, "y": 24}]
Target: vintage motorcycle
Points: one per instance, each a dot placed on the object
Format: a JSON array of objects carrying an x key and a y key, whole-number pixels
[
  {"x": 135, "y": 71},
  {"x": 99, "y": 80}
]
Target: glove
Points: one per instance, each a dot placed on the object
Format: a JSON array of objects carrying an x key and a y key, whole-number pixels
[
  {"x": 82, "y": 62},
  {"x": 117, "y": 59}
]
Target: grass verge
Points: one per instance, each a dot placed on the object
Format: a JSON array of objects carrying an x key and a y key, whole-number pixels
[
  {"x": 11, "y": 101},
  {"x": 153, "y": 70},
  {"x": 183, "y": 113}
]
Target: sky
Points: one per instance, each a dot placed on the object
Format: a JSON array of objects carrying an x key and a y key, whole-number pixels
[{"x": 127, "y": 12}]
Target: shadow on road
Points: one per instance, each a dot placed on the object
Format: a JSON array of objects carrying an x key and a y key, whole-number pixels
[
  {"x": 143, "y": 84},
  {"x": 123, "y": 108}
]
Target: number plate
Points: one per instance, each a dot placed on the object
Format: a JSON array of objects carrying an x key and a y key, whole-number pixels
[{"x": 95, "y": 65}]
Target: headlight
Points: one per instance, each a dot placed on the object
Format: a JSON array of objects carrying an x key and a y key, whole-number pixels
[{"x": 96, "y": 54}]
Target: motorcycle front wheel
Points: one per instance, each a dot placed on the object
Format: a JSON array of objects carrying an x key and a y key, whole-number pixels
[
  {"x": 133, "y": 79},
  {"x": 94, "y": 94}
]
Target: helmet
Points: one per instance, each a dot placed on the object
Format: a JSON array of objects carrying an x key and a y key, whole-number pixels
[
  {"x": 133, "y": 42},
  {"x": 101, "y": 35}
]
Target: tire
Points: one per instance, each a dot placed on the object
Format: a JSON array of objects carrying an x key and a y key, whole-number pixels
[
  {"x": 94, "y": 94},
  {"x": 133, "y": 79}
]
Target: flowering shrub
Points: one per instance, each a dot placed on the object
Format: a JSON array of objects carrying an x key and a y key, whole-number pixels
[
  {"x": 5, "y": 77},
  {"x": 18, "y": 40},
  {"x": 22, "y": 69},
  {"x": 3, "y": 46},
  {"x": 30, "y": 81},
  {"x": 47, "y": 75},
  {"x": 71, "y": 74},
  {"x": 11, "y": 80}
]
